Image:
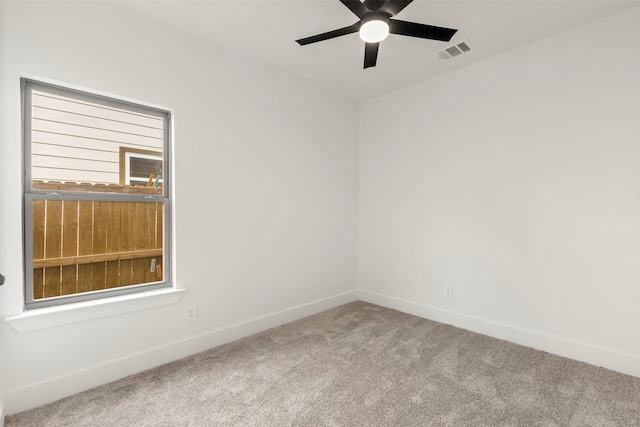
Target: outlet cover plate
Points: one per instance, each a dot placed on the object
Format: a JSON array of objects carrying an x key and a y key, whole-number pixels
[
  {"x": 448, "y": 291},
  {"x": 190, "y": 313}
]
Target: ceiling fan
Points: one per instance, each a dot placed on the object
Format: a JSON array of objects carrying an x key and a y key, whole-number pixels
[{"x": 376, "y": 23}]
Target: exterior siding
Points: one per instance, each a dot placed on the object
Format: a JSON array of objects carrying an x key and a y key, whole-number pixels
[{"x": 74, "y": 141}]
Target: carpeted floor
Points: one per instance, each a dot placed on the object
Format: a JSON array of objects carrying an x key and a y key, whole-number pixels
[{"x": 357, "y": 365}]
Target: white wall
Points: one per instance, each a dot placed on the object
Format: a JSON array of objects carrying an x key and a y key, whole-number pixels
[
  {"x": 2, "y": 179},
  {"x": 265, "y": 193},
  {"x": 516, "y": 181}
]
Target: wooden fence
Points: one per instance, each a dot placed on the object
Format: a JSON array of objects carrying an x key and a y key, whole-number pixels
[{"x": 82, "y": 246}]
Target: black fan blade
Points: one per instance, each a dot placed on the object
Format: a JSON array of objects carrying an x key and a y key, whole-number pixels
[
  {"x": 330, "y": 34},
  {"x": 422, "y": 31},
  {"x": 393, "y": 7},
  {"x": 370, "y": 54},
  {"x": 356, "y": 7}
]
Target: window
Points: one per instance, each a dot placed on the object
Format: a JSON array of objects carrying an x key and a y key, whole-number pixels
[
  {"x": 140, "y": 167},
  {"x": 96, "y": 195}
]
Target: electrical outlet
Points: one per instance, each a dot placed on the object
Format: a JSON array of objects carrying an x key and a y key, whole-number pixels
[
  {"x": 448, "y": 291},
  {"x": 190, "y": 313}
]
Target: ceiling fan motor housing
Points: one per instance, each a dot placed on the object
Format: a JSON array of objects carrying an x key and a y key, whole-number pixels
[
  {"x": 375, "y": 16},
  {"x": 374, "y": 5}
]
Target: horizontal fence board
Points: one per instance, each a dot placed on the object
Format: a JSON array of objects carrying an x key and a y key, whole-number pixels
[
  {"x": 94, "y": 258},
  {"x": 59, "y": 102},
  {"x": 90, "y": 187},
  {"x": 73, "y": 119}
]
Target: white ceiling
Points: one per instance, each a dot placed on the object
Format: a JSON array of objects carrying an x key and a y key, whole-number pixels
[{"x": 266, "y": 30}]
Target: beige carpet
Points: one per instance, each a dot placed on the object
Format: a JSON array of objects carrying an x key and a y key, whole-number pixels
[{"x": 358, "y": 365}]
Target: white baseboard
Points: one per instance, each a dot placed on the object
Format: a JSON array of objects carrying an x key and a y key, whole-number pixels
[
  {"x": 616, "y": 361},
  {"x": 52, "y": 389}
]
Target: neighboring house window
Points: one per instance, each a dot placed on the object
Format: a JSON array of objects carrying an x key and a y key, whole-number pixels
[
  {"x": 140, "y": 167},
  {"x": 94, "y": 226}
]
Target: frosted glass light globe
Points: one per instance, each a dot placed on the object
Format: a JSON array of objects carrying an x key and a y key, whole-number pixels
[{"x": 374, "y": 31}]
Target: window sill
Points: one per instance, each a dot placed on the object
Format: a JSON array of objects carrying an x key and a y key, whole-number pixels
[{"x": 49, "y": 317}]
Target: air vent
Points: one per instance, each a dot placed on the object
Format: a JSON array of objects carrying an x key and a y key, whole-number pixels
[{"x": 455, "y": 50}]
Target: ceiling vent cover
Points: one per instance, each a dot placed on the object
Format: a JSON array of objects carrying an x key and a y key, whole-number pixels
[{"x": 455, "y": 50}]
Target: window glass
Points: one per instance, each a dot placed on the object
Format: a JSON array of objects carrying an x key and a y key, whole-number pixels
[
  {"x": 96, "y": 196},
  {"x": 78, "y": 141}
]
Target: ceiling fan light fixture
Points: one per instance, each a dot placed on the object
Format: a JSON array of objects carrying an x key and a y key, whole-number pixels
[
  {"x": 376, "y": 22},
  {"x": 374, "y": 31}
]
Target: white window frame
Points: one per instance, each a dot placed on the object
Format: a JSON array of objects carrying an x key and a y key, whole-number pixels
[
  {"x": 29, "y": 194},
  {"x": 127, "y": 166}
]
